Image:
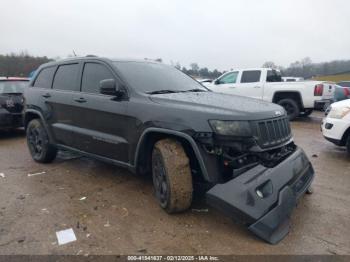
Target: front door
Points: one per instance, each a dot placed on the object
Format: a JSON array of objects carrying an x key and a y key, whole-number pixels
[
  {"x": 226, "y": 84},
  {"x": 99, "y": 120}
]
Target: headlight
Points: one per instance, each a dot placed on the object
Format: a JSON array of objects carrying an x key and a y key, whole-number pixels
[
  {"x": 339, "y": 112},
  {"x": 231, "y": 128}
]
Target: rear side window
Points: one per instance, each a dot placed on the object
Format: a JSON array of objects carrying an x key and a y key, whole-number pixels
[
  {"x": 251, "y": 76},
  {"x": 66, "y": 78},
  {"x": 273, "y": 76},
  {"x": 229, "y": 78},
  {"x": 44, "y": 79},
  {"x": 92, "y": 75}
]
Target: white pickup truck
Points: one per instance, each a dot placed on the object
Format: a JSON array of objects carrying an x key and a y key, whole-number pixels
[{"x": 298, "y": 98}]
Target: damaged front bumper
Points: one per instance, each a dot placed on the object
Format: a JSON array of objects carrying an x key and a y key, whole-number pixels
[{"x": 263, "y": 198}]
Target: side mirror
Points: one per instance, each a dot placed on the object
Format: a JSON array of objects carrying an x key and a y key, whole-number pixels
[
  {"x": 109, "y": 87},
  {"x": 217, "y": 82}
]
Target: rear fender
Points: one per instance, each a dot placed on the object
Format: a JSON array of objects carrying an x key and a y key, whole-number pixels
[{"x": 28, "y": 116}]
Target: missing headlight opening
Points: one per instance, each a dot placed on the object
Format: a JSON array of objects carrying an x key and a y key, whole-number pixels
[{"x": 233, "y": 161}]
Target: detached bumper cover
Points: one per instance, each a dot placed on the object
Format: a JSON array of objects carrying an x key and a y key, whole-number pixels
[{"x": 266, "y": 215}]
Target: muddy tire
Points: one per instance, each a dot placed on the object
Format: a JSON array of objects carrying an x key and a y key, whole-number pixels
[
  {"x": 291, "y": 107},
  {"x": 172, "y": 178},
  {"x": 38, "y": 142}
]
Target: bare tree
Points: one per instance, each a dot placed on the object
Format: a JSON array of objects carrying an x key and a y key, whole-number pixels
[{"x": 269, "y": 64}]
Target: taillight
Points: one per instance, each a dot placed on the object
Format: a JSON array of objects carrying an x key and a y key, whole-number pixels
[
  {"x": 318, "y": 91},
  {"x": 347, "y": 91}
]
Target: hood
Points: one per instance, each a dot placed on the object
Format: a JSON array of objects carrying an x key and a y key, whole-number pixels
[
  {"x": 223, "y": 106},
  {"x": 340, "y": 104}
]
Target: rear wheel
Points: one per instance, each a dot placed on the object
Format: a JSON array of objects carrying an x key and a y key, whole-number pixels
[
  {"x": 348, "y": 144},
  {"x": 38, "y": 142},
  {"x": 291, "y": 107},
  {"x": 172, "y": 178}
]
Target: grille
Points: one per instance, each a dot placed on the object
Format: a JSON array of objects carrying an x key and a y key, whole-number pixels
[{"x": 272, "y": 132}]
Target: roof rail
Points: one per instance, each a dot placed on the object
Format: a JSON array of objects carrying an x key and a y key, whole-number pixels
[{"x": 91, "y": 55}]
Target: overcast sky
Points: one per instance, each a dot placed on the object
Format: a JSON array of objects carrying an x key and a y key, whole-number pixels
[{"x": 217, "y": 34}]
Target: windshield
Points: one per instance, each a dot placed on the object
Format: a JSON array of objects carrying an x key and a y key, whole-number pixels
[
  {"x": 11, "y": 87},
  {"x": 344, "y": 84},
  {"x": 147, "y": 77}
]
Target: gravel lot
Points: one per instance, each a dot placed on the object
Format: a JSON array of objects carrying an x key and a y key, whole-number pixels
[{"x": 121, "y": 216}]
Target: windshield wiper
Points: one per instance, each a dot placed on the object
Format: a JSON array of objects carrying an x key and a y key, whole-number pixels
[
  {"x": 165, "y": 91},
  {"x": 196, "y": 90}
]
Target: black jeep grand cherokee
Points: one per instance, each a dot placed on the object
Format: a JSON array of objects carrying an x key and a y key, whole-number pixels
[{"x": 152, "y": 118}]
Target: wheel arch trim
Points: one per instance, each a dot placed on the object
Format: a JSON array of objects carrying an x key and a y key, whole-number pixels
[
  {"x": 286, "y": 92},
  {"x": 182, "y": 135},
  {"x": 40, "y": 115}
]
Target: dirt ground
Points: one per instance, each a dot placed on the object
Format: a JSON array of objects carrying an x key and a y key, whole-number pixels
[{"x": 120, "y": 214}]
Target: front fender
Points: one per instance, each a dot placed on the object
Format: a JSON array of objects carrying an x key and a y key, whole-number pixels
[{"x": 179, "y": 134}]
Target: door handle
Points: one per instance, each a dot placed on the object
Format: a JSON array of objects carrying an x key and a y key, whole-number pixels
[
  {"x": 256, "y": 86},
  {"x": 80, "y": 100},
  {"x": 47, "y": 95}
]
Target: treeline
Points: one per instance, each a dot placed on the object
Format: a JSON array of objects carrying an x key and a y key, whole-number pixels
[
  {"x": 307, "y": 69},
  {"x": 195, "y": 71},
  {"x": 21, "y": 64}
]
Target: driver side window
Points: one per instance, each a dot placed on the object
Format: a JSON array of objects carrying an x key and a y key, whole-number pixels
[
  {"x": 229, "y": 78},
  {"x": 92, "y": 75}
]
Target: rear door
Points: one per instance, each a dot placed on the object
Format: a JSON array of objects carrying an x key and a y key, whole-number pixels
[
  {"x": 100, "y": 126},
  {"x": 250, "y": 84},
  {"x": 59, "y": 102}
]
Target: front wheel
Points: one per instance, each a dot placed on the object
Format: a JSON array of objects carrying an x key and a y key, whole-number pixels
[
  {"x": 291, "y": 107},
  {"x": 38, "y": 142},
  {"x": 348, "y": 144},
  {"x": 172, "y": 178}
]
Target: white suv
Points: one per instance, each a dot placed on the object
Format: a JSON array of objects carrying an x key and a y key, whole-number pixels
[{"x": 336, "y": 126}]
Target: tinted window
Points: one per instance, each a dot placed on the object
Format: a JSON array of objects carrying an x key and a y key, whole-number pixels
[
  {"x": 251, "y": 76},
  {"x": 44, "y": 79},
  {"x": 66, "y": 77},
  {"x": 344, "y": 84},
  {"x": 273, "y": 76},
  {"x": 10, "y": 87},
  {"x": 92, "y": 75},
  {"x": 229, "y": 78},
  {"x": 149, "y": 77}
]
